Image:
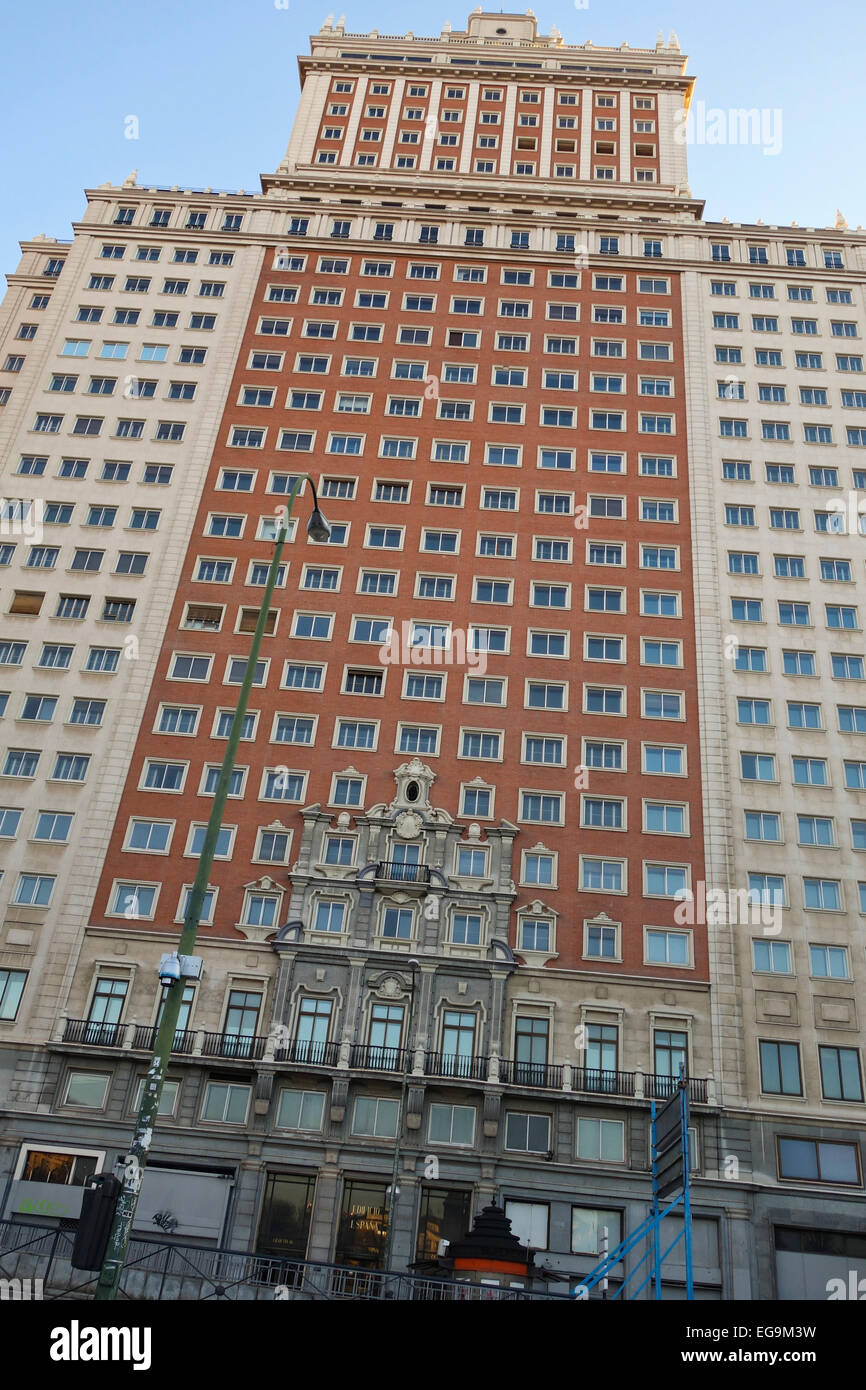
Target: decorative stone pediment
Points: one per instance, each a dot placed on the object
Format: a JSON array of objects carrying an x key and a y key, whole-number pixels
[
  {"x": 389, "y": 986},
  {"x": 265, "y": 884},
  {"x": 537, "y": 906}
]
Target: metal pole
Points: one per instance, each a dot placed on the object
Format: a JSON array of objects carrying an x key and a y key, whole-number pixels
[
  {"x": 133, "y": 1168},
  {"x": 687, "y": 1202},
  {"x": 392, "y": 1200},
  {"x": 657, "y": 1266}
]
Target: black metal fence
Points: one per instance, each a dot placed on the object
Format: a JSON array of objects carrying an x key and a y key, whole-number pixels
[{"x": 158, "y": 1271}]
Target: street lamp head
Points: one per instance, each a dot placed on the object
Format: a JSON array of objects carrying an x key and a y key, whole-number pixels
[
  {"x": 317, "y": 527},
  {"x": 414, "y": 963},
  {"x": 169, "y": 969}
]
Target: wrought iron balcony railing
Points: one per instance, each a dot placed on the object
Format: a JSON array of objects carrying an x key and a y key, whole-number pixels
[
  {"x": 144, "y": 1037},
  {"x": 244, "y": 1046},
  {"x": 91, "y": 1034},
  {"x": 452, "y": 1064},
  {"x": 598, "y": 1081},
  {"x": 663, "y": 1087},
  {"x": 602, "y": 1082},
  {"x": 530, "y": 1074},
  {"x": 308, "y": 1052},
  {"x": 392, "y": 871},
  {"x": 369, "y": 1058}
]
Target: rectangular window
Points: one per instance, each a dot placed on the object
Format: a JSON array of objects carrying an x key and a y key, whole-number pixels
[
  {"x": 780, "y": 1068},
  {"x": 600, "y": 1141},
  {"x": 586, "y": 1228},
  {"x": 225, "y": 1102},
  {"x": 840, "y": 1073},
  {"x": 823, "y": 1161}
]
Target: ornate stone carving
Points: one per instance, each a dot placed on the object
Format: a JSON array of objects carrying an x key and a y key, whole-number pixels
[{"x": 408, "y": 825}]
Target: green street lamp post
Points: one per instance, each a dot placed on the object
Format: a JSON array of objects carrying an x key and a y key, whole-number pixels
[
  {"x": 404, "y": 1083},
  {"x": 174, "y": 968}
]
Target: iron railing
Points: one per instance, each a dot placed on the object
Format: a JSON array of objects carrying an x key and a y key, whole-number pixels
[
  {"x": 663, "y": 1087},
  {"x": 144, "y": 1037},
  {"x": 244, "y": 1046},
  {"x": 308, "y": 1052},
  {"x": 452, "y": 1064},
  {"x": 530, "y": 1074},
  {"x": 602, "y": 1082},
  {"x": 158, "y": 1271},
  {"x": 366, "y": 1057},
  {"x": 369, "y": 1058},
  {"x": 88, "y": 1033},
  {"x": 393, "y": 871}
]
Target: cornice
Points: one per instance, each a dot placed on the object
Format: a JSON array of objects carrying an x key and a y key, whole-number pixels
[{"x": 393, "y": 62}]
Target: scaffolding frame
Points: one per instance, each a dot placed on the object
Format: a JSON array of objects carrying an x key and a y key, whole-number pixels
[{"x": 671, "y": 1169}]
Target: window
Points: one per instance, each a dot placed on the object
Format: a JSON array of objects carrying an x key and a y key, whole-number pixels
[
  {"x": 780, "y": 1068},
  {"x": 661, "y": 704},
  {"x": 847, "y": 667},
  {"x": 527, "y": 1132},
  {"x": 794, "y": 614},
  {"x": 603, "y": 876},
  {"x": 376, "y": 1118},
  {"x": 39, "y": 708},
  {"x": 658, "y": 653},
  {"x": 840, "y": 1073},
  {"x": 825, "y": 1161},
  {"x": 226, "y": 1102},
  {"x": 451, "y": 1124},
  {"x": 758, "y": 767},
  {"x": 347, "y": 791},
  {"x": 55, "y": 657},
  {"x": 529, "y": 1222},
  {"x": 796, "y": 663},
  {"x": 86, "y": 1089},
  {"x": 26, "y": 601},
  {"x": 300, "y": 1109},
  {"x": 34, "y": 890},
  {"x": 20, "y": 762},
  {"x": 665, "y": 880},
  {"x": 163, "y": 776},
  {"x": 12, "y": 984},
  {"x": 767, "y": 888},
  {"x": 87, "y": 712},
  {"x": 670, "y": 1052},
  {"x": 822, "y": 894},
  {"x": 423, "y": 687},
  {"x": 753, "y": 711},
  {"x": 772, "y": 957},
  {"x": 745, "y": 610},
  {"x": 841, "y": 616},
  {"x": 330, "y": 917},
  {"x": 68, "y": 767},
  {"x": 829, "y": 962},
  {"x": 586, "y": 1228},
  {"x": 656, "y": 603},
  {"x": 148, "y": 837},
  {"x": 667, "y": 947},
  {"x": 601, "y": 1141}
]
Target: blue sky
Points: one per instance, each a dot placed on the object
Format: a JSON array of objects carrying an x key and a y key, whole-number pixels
[{"x": 214, "y": 86}]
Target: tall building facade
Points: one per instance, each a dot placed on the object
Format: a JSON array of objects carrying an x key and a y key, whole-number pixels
[{"x": 506, "y": 833}]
